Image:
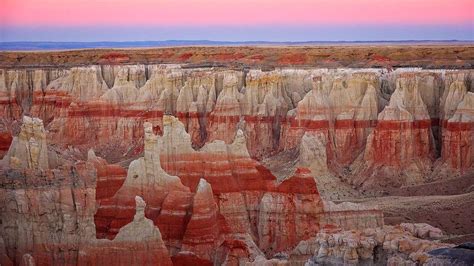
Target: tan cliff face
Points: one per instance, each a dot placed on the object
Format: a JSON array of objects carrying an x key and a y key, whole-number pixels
[
  {"x": 406, "y": 114},
  {"x": 29, "y": 148},
  {"x": 189, "y": 141}
]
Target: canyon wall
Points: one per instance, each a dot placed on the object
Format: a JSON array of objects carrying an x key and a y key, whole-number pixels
[
  {"x": 88, "y": 212},
  {"x": 162, "y": 164},
  {"x": 374, "y": 127}
]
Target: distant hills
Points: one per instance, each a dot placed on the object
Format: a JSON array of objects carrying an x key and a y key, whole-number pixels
[{"x": 12, "y": 46}]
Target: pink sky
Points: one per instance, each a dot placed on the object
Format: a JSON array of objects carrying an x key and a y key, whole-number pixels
[{"x": 234, "y": 12}]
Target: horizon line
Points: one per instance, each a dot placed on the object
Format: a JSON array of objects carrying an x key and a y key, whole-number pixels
[
  {"x": 83, "y": 45},
  {"x": 247, "y": 41}
]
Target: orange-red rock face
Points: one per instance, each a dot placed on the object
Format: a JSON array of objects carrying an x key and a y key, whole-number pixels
[
  {"x": 126, "y": 253},
  {"x": 202, "y": 231},
  {"x": 458, "y": 148},
  {"x": 5, "y": 141},
  {"x": 101, "y": 122},
  {"x": 167, "y": 209},
  {"x": 125, "y": 249},
  {"x": 235, "y": 195},
  {"x": 262, "y": 134},
  {"x": 110, "y": 177},
  {"x": 290, "y": 213},
  {"x": 395, "y": 142},
  {"x": 458, "y": 128}
]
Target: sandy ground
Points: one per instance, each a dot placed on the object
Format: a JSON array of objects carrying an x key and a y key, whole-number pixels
[
  {"x": 447, "y": 204},
  {"x": 452, "y": 213}
]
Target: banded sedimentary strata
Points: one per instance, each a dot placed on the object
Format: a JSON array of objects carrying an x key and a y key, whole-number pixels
[
  {"x": 48, "y": 212},
  {"x": 237, "y": 197},
  {"x": 189, "y": 142},
  {"x": 368, "y": 122},
  {"x": 65, "y": 214}
]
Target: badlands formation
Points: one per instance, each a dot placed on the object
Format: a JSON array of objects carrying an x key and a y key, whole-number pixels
[{"x": 177, "y": 164}]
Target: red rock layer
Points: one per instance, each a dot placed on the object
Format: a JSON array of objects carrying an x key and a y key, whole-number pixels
[
  {"x": 49, "y": 104},
  {"x": 352, "y": 137},
  {"x": 137, "y": 243},
  {"x": 202, "y": 231},
  {"x": 262, "y": 135},
  {"x": 458, "y": 134},
  {"x": 99, "y": 122},
  {"x": 198, "y": 134},
  {"x": 60, "y": 205},
  {"x": 125, "y": 253},
  {"x": 289, "y": 214},
  {"x": 221, "y": 126},
  {"x": 173, "y": 218},
  {"x": 225, "y": 173},
  {"x": 110, "y": 177},
  {"x": 5, "y": 141},
  {"x": 238, "y": 196},
  {"x": 293, "y": 130},
  {"x": 167, "y": 208},
  {"x": 458, "y": 147},
  {"x": 9, "y": 108},
  {"x": 262, "y": 132},
  {"x": 394, "y": 143}
]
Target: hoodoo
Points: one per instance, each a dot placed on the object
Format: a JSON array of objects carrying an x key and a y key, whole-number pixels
[{"x": 184, "y": 164}]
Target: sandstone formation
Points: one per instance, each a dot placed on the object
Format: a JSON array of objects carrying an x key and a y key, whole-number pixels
[
  {"x": 85, "y": 147},
  {"x": 349, "y": 113},
  {"x": 237, "y": 196},
  {"x": 202, "y": 230},
  {"x": 56, "y": 226},
  {"x": 29, "y": 148},
  {"x": 110, "y": 177},
  {"x": 236, "y": 206},
  {"x": 137, "y": 243},
  {"x": 458, "y": 135},
  {"x": 402, "y": 144}
]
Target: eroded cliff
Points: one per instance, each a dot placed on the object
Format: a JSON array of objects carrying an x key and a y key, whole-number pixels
[
  {"x": 190, "y": 142},
  {"x": 393, "y": 126}
]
